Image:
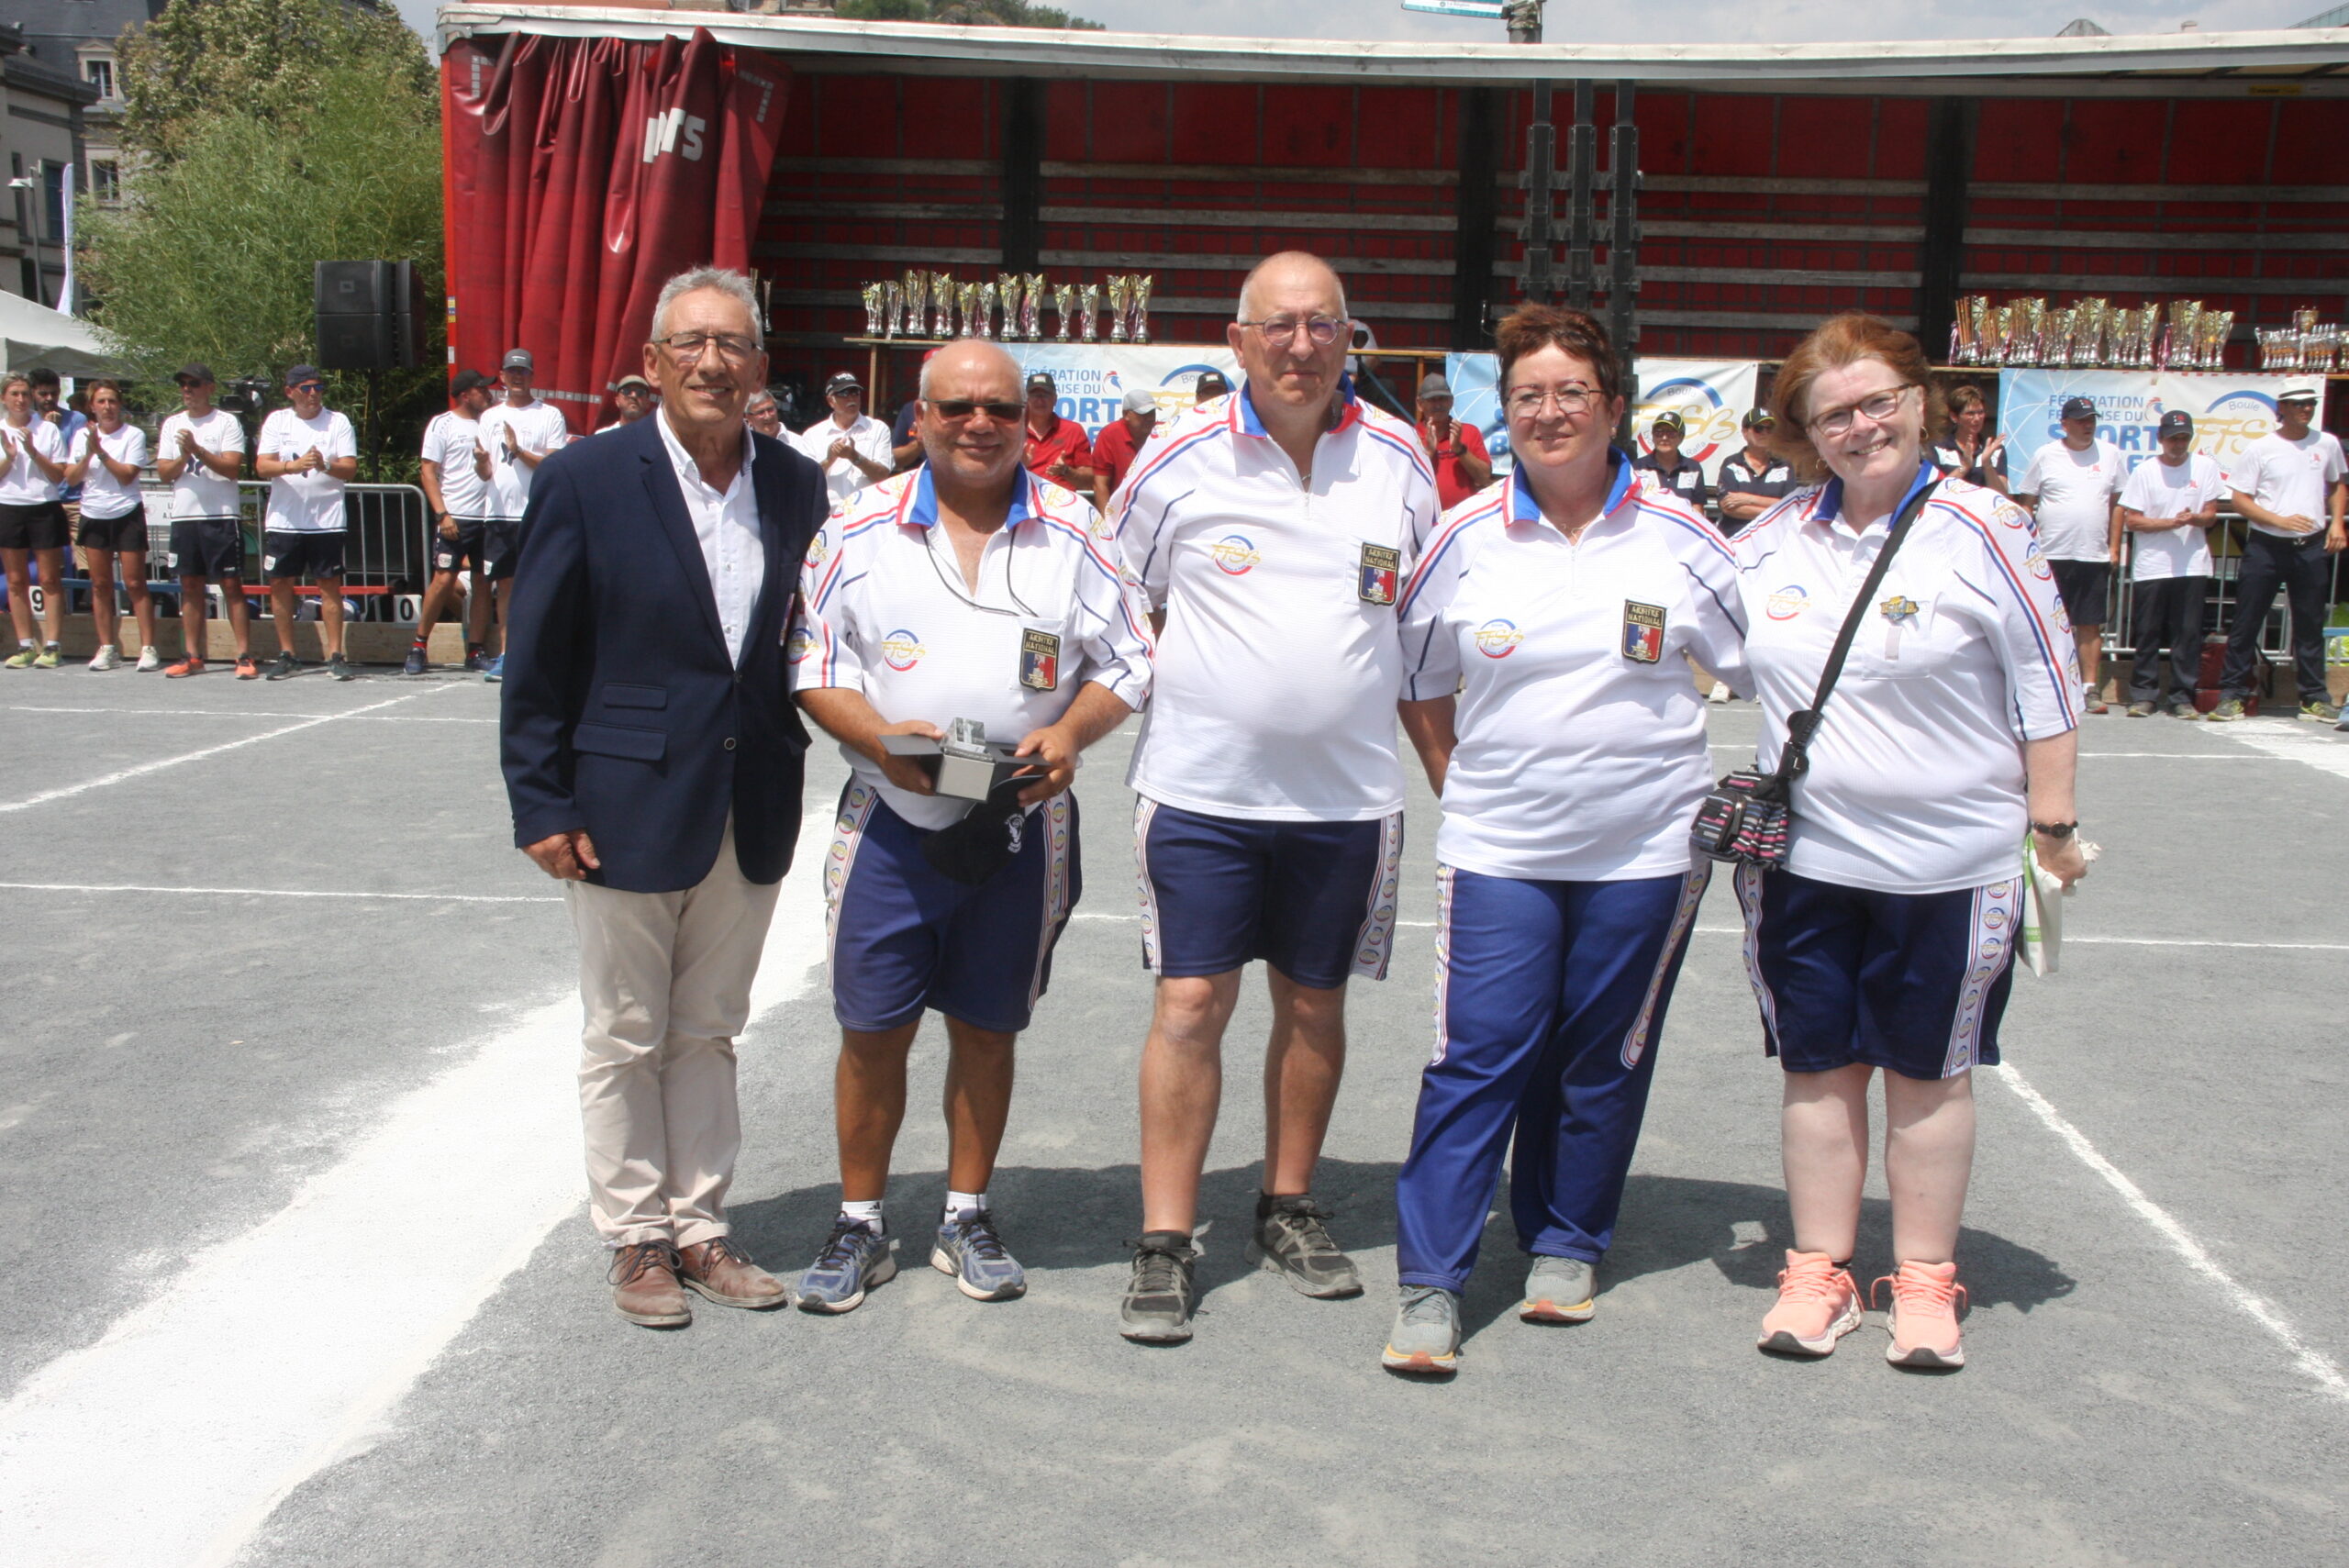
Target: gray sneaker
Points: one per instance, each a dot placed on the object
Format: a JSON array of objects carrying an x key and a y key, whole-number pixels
[
  {"x": 1161, "y": 1296},
  {"x": 1426, "y": 1335},
  {"x": 2226, "y": 712},
  {"x": 340, "y": 668},
  {"x": 1559, "y": 1290},
  {"x": 283, "y": 666},
  {"x": 969, "y": 1249},
  {"x": 2320, "y": 713},
  {"x": 855, "y": 1258},
  {"x": 1291, "y": 1242}
]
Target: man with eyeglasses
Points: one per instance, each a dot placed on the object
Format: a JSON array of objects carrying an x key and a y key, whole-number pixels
[
  {"x": 308, "y": 453},
  {"x": 1271, "y": 531},
  {"x": 1756, "y": 479},
  {"x": 516, "y": 435},
  {"x": 966, "y": 589},
  {"x": 2288, "y": 485},
  {"x": 2073, "y": 487},
  {"x": 653, "y": 764},
  {"x": 850, "y": 445},
  {"x": 765, "y": 414}
]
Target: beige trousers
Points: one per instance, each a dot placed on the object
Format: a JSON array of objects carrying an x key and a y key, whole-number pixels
[{"x": 664, "y": 979}]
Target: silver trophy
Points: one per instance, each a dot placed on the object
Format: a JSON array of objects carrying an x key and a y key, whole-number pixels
[
  {"x": 943, "y": 295},
  {"x": 893, "y": 310},
  {"x": 1032, "y": 308},
  {"x": 1065, "y": 305},
  {"x": 1007, "y": 294},
  {"x": 1121, "y": 298},
  {"x": 967, "y": 296},
  {"x": 1140, "y": 299},
  {"x": 988, "y": 293},
  {"x": 872, "y": 295},
  {"x": 913, "y": 314},
  {"x": 1088, "y": 304}
]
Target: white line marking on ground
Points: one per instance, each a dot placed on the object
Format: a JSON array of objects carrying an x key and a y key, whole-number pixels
[
  {"x": 2312, "y": 1363},
  {"x": 242, "y": 713},
  {"x": 278, "y": 1352},
  {"x": 286, "y": 893},
  {"x": 2180, "y": 756},
  {"x": 158, "y": 764},
  {"x": 2294, "y": 740}
]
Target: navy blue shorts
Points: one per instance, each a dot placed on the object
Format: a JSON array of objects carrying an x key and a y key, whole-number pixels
[
  {"x": 285, "y": 555},
  {"x": 454, "y": 554},
  {"x": 1913, "y": 982},
  {"x": 1316, "y": 900},
  {"x": 903, "y": 938}
]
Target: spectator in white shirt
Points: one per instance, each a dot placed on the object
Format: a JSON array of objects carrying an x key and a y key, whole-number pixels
[
  {"x": 308, "y": 453},
  {"x": 113, "y": 528},
  {"x": 763, "y": 415},
  {"x": 200, "y": 453},
  {"x": 850, "y": 445},
  {"x": 2286, "y": 485},
  {"x": 2167, "y": 507},
  {"x": 632, "y": 401},
  {"x": 516, "y": 434},
  {"x": 458, "y": 498},
  {"x": 2072, "y": 487},
  {"x": 32, "y": 522}
]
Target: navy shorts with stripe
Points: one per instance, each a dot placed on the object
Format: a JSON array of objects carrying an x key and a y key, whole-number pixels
[
  {"x": 1316, "y": 900},
  {"x": 1913, "y": 982},
  {"x": 903, "y": 938}
]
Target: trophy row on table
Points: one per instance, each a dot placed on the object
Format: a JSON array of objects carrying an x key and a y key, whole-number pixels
[
  {"x": 2090, "y": 333},
  {"x": 2307, "y": 344},
  {"x": 925, "y": 304}
]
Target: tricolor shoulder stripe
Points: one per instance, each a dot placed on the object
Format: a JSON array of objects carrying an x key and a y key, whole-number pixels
[
  {"x": 2050, "y": 658},
  {"x": 1184, "y": 441},
  {"x": 1481, "y": 509}
]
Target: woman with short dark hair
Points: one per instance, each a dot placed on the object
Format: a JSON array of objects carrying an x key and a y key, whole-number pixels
[
  {"x": 1886, "y": 940},
  {"x": 1970, "y": 451},
  {"x": 1547, "y": 629}
]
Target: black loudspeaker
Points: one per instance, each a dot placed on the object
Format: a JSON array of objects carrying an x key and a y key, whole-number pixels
[{"x": 369, "y": 317}]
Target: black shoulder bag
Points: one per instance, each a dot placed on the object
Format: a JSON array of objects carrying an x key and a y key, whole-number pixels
[{"x": 1748, "y": 817}]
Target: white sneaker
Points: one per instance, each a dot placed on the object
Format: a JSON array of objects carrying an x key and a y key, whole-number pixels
[
  {"x": 150, "y": 661},
  {"x": 1719, "y": 692},
  {"x": 107, "y": 657}
]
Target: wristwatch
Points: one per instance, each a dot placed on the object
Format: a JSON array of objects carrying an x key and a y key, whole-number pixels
[{"x": 2055, "y": 830}]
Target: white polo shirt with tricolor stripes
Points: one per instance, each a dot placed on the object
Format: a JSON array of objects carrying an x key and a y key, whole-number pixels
[
  {"x": 884, "y": 609},
  {"x": 1916, "y": 778},
  {"x": 1582, "y": 753},
  {"x": 1279, "y": 666}
]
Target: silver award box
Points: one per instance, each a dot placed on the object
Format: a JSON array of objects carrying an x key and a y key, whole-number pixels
[
  {"x": 1139, "y": 298},
  {"x": 872, "y": 295},
  {"x": 1032, "y": 308},
  {"x": 1088, "y": 298},
  {"x": 1121, "y": 295}
]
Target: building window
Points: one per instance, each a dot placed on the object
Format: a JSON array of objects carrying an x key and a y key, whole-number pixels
[
  {"x": 105, "y": 180},
  {"x": 102, "y": 77}
]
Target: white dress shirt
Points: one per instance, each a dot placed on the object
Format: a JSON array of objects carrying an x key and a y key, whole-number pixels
[{"x": 727, "y": 525}]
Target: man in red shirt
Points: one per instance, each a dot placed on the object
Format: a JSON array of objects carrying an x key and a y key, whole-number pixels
[
  {"x": 1120, "y": 439},
  {"x": 1462, "y": 465},
  {"x": 1056, "y": 446}
]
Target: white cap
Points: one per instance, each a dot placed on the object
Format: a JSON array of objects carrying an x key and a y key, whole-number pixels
[{"x": 1138, "y": 401}]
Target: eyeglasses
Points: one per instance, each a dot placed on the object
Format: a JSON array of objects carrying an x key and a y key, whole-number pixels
[
  {"x": 961, "y": 407},
  {"x": 307, "y": 387},
  {"x": 1527, "y": 402},
  {"x": 688, "y": 347},
  {"x": 1277, "y": 329},
  {"x": 1877, "y": 406}
]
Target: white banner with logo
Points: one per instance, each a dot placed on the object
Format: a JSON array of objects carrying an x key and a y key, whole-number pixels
[
  {"x": 1091, "y": 380},
  {"x": 1711, "y": 396},
  {"x": 2230, "y": 411}
]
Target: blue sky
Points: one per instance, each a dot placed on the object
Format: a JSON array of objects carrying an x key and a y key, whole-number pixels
[{"x": 1726, "y": 21}]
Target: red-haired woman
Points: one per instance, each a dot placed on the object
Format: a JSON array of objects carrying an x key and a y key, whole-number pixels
[
  {"x": 1546, "y": 692},
  {"x": 1887, "y": 941}
]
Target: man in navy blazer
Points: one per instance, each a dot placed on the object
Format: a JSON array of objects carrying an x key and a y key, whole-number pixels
[{"x": 653, "y": 763}]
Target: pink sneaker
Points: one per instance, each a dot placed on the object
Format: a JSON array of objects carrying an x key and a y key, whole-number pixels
[
  {"x": 1818, "y": 1305},
  {"x": 1926, "y": 1298}
]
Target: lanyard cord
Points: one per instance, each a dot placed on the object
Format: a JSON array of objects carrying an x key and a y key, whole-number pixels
[{"x": 955, "y": 588}]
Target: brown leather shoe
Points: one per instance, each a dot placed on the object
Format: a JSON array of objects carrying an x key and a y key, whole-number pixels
[
  {"x": 644, "y": 1285},
  {"x": 724, "y": 1273}
]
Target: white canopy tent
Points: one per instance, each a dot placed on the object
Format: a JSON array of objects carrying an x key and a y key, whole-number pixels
[{"x": 32, "y": 334}]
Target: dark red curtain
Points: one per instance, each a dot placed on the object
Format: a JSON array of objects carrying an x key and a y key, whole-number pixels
[{"x": 583, "y": 173}]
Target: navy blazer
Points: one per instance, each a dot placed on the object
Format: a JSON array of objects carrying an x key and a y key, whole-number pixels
[{"x": 622, "y": 713}]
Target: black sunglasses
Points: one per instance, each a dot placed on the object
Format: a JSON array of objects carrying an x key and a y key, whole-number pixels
[{"x": 959, "y": 408}]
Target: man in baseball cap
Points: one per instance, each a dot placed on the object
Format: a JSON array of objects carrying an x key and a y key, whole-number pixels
[
  {"x": 517, "y": 433},
  {"x": 2070, "y": 486},
  {"x": 2288, "y": 485},
  {"x": 1756, "y": 479},
  {"x": 2169, "y": 505},
  {"x": 848, "y": 444},
  {"x": 632, "y": 401},
  {"x": 1119, "y": 442},
  {"x": 1463, "y": 466},
  {"x": 1673, "y": 473},
  {"x": 1057, "y": 448}
]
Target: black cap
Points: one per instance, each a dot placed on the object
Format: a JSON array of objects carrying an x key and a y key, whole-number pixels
[
  {"x": 195, "y": 375},
  {"x": 1757, "y": 417},
  {"x": 1668, "y": 419},
  {"x": 1041, "y": 380},
  {"x": 2079, "y": 408},
  {"x": 844, "y": 382},
  {"x": 2176, "y": 422},
  {"x": 466, "y": 381},
  {"x": 296, "y": 374}
]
